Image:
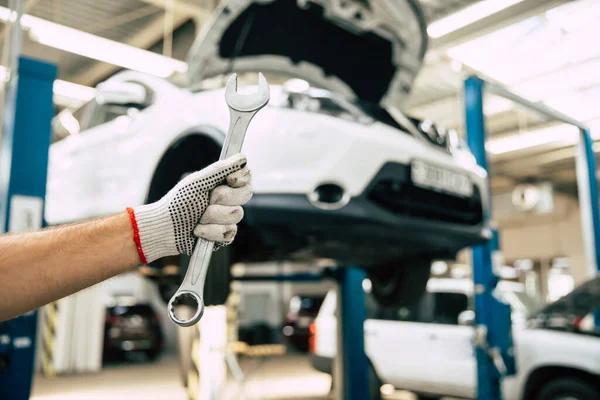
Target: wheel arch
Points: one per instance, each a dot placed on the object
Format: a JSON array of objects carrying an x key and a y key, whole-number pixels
[
  {"x": 196, "y": 137},
  {"x": 537, "y": 378}
]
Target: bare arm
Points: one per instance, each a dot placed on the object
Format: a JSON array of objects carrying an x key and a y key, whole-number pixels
[
  {"x": 38, "y": 268},
  {"x": 41, "y": 267}
]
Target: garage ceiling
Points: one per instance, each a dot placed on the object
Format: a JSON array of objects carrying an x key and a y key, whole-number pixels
[
  {"x": 140, "y": 23},
  {"x": 539, "y": 49}
]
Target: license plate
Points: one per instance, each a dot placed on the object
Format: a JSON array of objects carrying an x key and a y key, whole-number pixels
[{"x": 433, "y": 177}]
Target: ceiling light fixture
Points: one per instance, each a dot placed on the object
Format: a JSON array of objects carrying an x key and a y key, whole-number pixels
[
  {"x": 467, "y": 16},
  {"x": 72, "y": 94},
  {"x": 85, "y": 44},
  {"x": 563, "y": 134},
  {"x": 65, "y": 93},
  {"x": 566, "y": 134}
]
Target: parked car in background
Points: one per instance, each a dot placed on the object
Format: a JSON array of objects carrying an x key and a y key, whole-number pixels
[
  {"x": 572, "y": 313},
  {"x": 132, "y": 328},
  {"x": 302, "y": 312},
  {"x": 425, "y": 349}
]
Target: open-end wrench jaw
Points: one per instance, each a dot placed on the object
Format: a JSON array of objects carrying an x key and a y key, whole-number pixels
[{"x": 247, "y": 102}]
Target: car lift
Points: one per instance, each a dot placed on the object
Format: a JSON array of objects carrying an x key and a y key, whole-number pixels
[
  {"x": 24, "y": 143},
  {"x": 494, "y": 348}
]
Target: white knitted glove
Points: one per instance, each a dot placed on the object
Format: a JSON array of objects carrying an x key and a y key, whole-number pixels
[{"x": 170, "y": 226}]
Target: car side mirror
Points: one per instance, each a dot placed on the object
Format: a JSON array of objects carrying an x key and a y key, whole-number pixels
[
  {"x": 466, "y": 318},
  {"x": 121, "y": 93}
]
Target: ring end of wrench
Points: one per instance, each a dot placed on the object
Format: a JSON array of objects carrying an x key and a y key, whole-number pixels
[{"x": 197, "y": 315}]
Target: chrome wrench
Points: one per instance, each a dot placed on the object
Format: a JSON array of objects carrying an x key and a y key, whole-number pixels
[{"x": 242, "y": 109}]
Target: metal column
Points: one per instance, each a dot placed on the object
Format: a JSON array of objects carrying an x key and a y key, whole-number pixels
[
  {"x": 494, "y": 350},
  {"x": 350, "y": 372},
  {"x": 351, "y": 363},
  {"x": 23, "y": 169},
  {"x": 488, "y": 377},
  {"x": 587, "y": 185}
]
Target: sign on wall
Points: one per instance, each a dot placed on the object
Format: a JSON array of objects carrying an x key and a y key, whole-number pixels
[{"x": 25, "y": 213}]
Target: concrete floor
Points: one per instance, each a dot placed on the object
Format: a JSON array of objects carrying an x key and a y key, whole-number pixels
[
  {"x": 128, "y": 381},
  {"x": 277, "y": 378}
]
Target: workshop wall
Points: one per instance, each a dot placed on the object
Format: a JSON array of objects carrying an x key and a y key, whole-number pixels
[{"x": 544, "y": 237}]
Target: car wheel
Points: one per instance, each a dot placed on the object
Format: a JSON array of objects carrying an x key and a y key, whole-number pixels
[
  {"x": 568, "y": 389},
  {"x": 185, "y": 338},
  {"x": 401, "y": 283}
]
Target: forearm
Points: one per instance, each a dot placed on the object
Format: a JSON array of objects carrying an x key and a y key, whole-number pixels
[{"x": 38, "y": 268}]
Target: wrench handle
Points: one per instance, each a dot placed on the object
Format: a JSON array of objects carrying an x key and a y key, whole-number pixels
[
  {"x": 238, "y": 124},
  {"x": 195, "y": 276}
]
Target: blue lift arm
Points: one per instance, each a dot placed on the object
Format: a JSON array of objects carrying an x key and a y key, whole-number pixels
[
  {"x": 492, "y": 318},
  {"x": 351, "y": 366}
]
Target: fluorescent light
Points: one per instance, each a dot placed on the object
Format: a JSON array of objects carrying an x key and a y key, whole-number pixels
[
  {"x": 564, "y": 134},
  {"x": 73, "y": 90},
  {"x": 65, "y": 93},
  {"x": 496, "y": 105},
  {"x": 95, "y": 47},
  {"x": 467, "y": 16}
]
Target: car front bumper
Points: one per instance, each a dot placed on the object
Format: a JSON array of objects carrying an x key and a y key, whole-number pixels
[{"x": 391, "y": 220}]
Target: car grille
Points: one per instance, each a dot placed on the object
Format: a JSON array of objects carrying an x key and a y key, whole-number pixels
[{"x": 398, "y": 195}]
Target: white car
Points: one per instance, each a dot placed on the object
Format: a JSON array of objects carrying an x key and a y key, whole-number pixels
[
  {"x": 338, "y": 171},
  {"x": 428, "y": 349}
]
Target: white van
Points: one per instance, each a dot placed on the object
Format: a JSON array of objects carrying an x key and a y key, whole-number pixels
[{"x": 426, "y": 350}]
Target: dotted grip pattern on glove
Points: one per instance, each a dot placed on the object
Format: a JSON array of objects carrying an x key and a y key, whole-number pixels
[{"x": 166, "y": 227}]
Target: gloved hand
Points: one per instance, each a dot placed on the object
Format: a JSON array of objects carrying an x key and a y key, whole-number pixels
[{"x": 206, "y": 204}]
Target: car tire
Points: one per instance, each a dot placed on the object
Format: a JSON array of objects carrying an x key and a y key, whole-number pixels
[
  {"x": 568, "y": 388},
  {"x": 185, "y": 338},
  {"x": 401, "y": 283}
]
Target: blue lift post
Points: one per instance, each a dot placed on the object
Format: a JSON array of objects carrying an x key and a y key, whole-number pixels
[
  {"x": 23, "y": 169},
  {"x": 494, "y": 351},
  {"x": 351, "y": 363}
]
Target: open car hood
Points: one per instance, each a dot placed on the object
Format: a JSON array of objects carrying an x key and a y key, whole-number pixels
[{"x": 366, "y": 49}]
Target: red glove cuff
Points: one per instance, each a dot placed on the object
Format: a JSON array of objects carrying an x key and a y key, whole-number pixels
[{"x": 136, "y": 235}]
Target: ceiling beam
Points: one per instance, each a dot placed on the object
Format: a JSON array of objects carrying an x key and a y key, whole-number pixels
[
  {"x": 530, "y": 163},
  {"x": 510, "y": 15},
  {"x": 144, "y": 38},
  {"x": 199, "y": 14}
]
